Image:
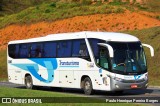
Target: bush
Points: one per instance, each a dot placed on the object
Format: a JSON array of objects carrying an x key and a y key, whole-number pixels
[
  {"x": 53, "y": 4},
  {"x": 47, "y": 11}
]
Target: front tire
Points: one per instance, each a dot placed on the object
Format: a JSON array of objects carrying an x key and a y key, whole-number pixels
[
  {"x": 87, "y": 86},
  {"x": 29, "y": 82}
]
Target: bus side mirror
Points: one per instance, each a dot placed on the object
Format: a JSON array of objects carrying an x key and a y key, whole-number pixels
[
  {"x": 110, "y": 49},
  {"x": 150, "y": 47}
]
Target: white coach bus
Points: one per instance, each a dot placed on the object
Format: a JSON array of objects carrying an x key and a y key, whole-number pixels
[{"x": 88, "y": 60}]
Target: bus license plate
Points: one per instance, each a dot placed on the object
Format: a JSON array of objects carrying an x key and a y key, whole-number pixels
[{"x": 134, "y": 86}]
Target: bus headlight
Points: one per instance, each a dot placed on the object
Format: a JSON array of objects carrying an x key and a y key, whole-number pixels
[
  {"x": 146, "y": 77},
  {"x": 118, "y": 79}
]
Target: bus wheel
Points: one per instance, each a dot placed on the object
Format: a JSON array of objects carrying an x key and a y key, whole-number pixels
[
  {"x": 87, "y": 86},
  {"x": 28, "y": 82}
]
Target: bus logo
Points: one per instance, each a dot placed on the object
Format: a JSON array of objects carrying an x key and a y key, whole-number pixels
[
  {"x": 136, "y": 77},
  {"x": 70, "y": 64}
]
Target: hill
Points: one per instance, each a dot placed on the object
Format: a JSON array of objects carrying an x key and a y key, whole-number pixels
[
  {"x": 103, "y": 22},
  {"x": 56, "y": 17},
  {"x": 15, "y": 6}
]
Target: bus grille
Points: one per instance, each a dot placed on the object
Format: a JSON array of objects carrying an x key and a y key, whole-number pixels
[{"x": 133, "y": 81}]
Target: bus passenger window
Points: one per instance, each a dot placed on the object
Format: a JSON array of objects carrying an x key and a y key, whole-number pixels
[
  {"x": 23, "y": 52},
  {"x": 80, "y": 49},
  {"x": 49, "y": 49},
  {"x": 17, "y": 51},
  {"x": 75, "y": 48},
  {"x": 64, "y": 49},
  {"x": 12, "y": 50},
  {"x": 83, "y": 50},
  {"x": 36, "y": 50}
]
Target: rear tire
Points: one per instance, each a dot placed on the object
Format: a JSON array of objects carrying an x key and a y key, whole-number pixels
[
  {"x": 87, "y": 86},
  {"x": 29, "y": 82}
]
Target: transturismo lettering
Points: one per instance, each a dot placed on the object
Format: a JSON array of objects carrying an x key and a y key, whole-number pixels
[{"x": 68, "y": 63}]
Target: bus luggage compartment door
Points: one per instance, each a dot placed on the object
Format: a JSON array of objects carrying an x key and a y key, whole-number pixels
[{"x": 66, "y": 78}]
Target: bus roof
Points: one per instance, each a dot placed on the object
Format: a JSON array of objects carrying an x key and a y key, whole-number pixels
[{"x": 107, "y": 36}]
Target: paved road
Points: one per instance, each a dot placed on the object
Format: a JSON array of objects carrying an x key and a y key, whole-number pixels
[{"x": 149, "y": 92}]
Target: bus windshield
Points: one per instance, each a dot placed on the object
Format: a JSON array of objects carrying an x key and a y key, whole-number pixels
[{"x": 129, "y": 58}]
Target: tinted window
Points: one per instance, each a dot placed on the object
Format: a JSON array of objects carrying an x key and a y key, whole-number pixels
[
  {"x": 104, "y": 58},
  {"x": 12, "y": 50},
  {"x": 64, "y": 48},
  {"x": 80, "y": 49},
  {"x": 95, "y": 47},
  {"x": 17, "y": 51},
  {"x": 129, "y": 58},
  {"x": 35, "y": 49},
  {"x": 23, "y": 51},
  {"x": 49, "y": 49},
  {"x": 58, "y": 49}
]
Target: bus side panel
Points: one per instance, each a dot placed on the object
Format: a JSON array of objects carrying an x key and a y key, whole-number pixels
[
  {"x": 66, "y": 78},
  {"x": 14, "y": 74},
  {"x": 70, "y": 75},
  {"x": 70, "y": 71},
  {"x": 96, "y": 78},
  {"x": 43, "y": 74}
]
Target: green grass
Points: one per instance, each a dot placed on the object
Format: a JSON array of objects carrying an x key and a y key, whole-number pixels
[
  {"x": 151, "y": 36},
  {"x": 15, "y": 92},
  {"x": 57, "y": 10}
]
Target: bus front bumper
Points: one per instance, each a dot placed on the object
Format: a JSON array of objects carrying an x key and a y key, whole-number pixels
[{"x": 120, "y": 85}]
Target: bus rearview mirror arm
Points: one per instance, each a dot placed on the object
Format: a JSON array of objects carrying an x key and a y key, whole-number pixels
[
  {"x": 110, "y": 49},
  {"x": 150, "y": 47}
]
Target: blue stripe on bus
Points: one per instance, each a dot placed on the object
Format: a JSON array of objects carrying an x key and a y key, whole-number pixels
[{"x": 49, "y": 63}]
